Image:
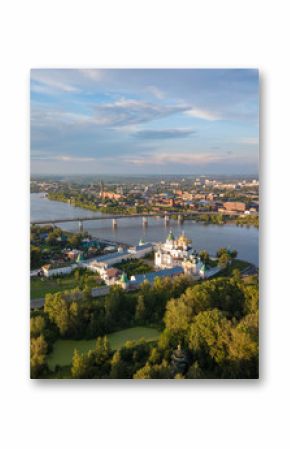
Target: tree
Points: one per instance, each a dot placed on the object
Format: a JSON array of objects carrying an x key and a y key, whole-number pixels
[
  {"x": 58, "y": 311},
  {"x": 74, "y": 318},
  {"x": 35, "y": 256},
  {"x": 118, "y": 367},
  {"x": 204, "y": 256},
  {"x": 155, "y": 356},
  {"x": 102, "y": 350},
  {"x": 75, "y": 240},
  {"x": 79, "y": 367},
  {"x": 178, "y": 316},
  {"x": 241, "y": 346},
  {"x": 223, "y": 260},
  {"x": 38, "y": 350},
  {"x": 236, "y": 275},
  {"x": 161, "y": 371},
  {"x": 209, "y": 335},
  {"x": 243, "y": 353},
  {"x": 195, "y": 372},
  {"x": 140, "y": 309},
  {"x": 221, "y": 251},
  {"x": 144, "y": 373},
  {"x": 251, "y": 299},
  {"x": 37, "y": 325},
  {"x": 113, "y": 306},
  {"x": 53, "y": 236},
  {"x": 179, "y": 376},
  {"x": 87, "y": 292},
  {"x": 179, "y": 285},
  {"x": 106, "y": 345}
]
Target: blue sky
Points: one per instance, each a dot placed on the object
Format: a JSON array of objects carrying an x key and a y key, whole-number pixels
[{"x": 143, "y": 121}]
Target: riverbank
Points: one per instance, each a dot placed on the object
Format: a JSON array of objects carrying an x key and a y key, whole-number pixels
[
  {"x": 219, "y": 219},
  {"x": 91, "y": 206}
]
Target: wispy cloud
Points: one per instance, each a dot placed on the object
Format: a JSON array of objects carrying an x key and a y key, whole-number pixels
[
  {"x": 62, "y": 158},
  {"x": 121, "y": 113},
  {"x": 179, "y": 158},
  {"x": 202, "y": 114},
  {"x": 126, "y": 112},
  {"x": 44, "y": 81},
  {"x": 164, "y": 133}
]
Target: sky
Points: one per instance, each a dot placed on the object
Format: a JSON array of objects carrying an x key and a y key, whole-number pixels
[{"x": 144, "y": 121}]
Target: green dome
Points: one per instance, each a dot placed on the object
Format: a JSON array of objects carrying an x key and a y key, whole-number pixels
[{"x": 124, "y": 278}]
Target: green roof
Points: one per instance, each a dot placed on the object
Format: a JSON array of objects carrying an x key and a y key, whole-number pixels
[
  {"x": 80, "y": 257},
  {"x": 203, "y": 267},
  {"x": 124, "y": 277}
]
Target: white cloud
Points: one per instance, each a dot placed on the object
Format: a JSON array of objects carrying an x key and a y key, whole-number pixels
[
  {"x": 202, "y": 113},
  {"x": 92, "y": 74},
  {"x": 74, "y": 159},
  {"x": 50, "y": 81}
]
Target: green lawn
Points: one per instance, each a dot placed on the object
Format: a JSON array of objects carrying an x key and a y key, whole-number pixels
[
  {"x": 136, "y": 266},
  {"x": 41, "y": 286},
  {"x": 63, "y": 349}
]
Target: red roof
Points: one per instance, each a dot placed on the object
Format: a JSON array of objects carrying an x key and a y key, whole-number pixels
[{"x": 113, "y": 272}]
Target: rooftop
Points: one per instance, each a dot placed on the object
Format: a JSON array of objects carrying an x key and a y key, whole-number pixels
[
  {"x": 108, "y": 257},
  {"x": 139, "y": 278}
]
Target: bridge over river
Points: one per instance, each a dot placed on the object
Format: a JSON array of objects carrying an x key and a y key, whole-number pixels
[{"x": 166, "y": 216}]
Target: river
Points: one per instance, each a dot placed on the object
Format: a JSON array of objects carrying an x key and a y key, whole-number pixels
[{"x": 204, "y": 236}]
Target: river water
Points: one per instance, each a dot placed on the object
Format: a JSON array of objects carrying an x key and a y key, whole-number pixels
[{"x": 210, "y": 237}]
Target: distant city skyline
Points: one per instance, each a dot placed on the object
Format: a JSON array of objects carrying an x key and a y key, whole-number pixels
[{"x": 144, "y": 121}]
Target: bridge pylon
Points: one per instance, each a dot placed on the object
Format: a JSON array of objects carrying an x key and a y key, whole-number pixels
[
  {"x": 145, "y": 221},
  {"x": 114, "y": 223},
  {"x": 81, "y": 226},
  {"x": 166, "y": 219}
]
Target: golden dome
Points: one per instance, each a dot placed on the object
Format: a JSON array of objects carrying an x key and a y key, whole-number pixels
[{"x": 183, "y": 240}]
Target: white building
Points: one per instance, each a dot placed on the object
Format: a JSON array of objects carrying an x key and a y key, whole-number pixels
[
  {"x": 106, "y": 261},
  {"x": 173, "y": 252},
  {"x": 111, "y": 276},
  {"x": 179, "y": 253},
  {"x": 51, "y": 270},
  {"x": 141, "y": 250}
]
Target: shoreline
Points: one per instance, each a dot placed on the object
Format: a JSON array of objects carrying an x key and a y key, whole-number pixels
[{"x": 194, "y": 218}]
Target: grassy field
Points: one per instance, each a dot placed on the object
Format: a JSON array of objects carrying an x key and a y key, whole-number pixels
[
  {"x": 41, "y": 286},
  {"x": 63, "y": 349}
]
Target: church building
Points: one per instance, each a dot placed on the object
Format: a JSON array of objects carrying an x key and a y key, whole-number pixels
[{"x": 178, "y": 252}]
